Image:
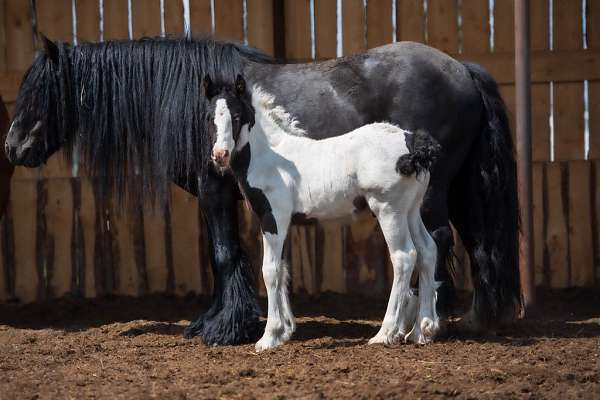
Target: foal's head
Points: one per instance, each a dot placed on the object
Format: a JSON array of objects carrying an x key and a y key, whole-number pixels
[{"x": 230, "y": 116}]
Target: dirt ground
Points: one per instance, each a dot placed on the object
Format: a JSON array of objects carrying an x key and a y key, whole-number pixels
[{"x": 133, "y": 349}]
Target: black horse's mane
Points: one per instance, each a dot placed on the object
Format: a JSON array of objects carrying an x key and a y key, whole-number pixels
[{"x": 135, "y": 110}]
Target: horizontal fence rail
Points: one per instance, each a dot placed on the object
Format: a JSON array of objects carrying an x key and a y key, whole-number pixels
[{"x": 58, "y": 239}]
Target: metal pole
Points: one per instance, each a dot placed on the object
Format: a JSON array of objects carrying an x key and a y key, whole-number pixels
[{"x": 523, "y": 105}]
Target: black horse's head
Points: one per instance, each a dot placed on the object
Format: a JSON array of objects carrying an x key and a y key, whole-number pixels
[
  {"x": 36, "y": 131},
  {"x": 229, "y": 114}
]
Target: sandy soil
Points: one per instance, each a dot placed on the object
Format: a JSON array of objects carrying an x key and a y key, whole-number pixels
[{"x": 133, "y": 349}]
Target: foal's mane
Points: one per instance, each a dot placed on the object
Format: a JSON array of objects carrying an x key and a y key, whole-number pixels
[
  {"x": 265, "y": 102},
  {"x": 135, "y": 110}
]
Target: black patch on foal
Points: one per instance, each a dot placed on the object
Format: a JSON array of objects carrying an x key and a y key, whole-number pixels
[
  {"x": 257, "y": 199},
  {"x": 423, "y": 150}
]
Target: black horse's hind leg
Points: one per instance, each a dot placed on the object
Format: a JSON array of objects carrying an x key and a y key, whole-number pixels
[
  {"x": 435, "y": 216},
  {"x": 233, "y": 315}
]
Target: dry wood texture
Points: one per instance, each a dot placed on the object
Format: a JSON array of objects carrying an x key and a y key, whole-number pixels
[{"x": 57, "y": 238}]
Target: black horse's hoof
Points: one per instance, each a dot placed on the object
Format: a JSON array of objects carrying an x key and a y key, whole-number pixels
[
  {"x": 194, "y": 329},
  {"x": 226, "y": 328},
  {"x": 233, "y": 318}
]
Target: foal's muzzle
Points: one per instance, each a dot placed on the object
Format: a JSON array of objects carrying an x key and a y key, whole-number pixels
[{"x": 221, "y": 157}]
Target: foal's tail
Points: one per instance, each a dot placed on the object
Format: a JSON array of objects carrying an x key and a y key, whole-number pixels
[
  {"x": 423, "y": 150},
  {"x": 484, "y": 209}
]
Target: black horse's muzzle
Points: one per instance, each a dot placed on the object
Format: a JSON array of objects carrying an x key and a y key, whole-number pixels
[{"x": 28, "y": 152}]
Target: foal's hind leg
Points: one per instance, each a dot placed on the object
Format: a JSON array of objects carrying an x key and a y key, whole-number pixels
[
  {"x": 398, "y": 317},
  {"x": 427, "y": 321}
]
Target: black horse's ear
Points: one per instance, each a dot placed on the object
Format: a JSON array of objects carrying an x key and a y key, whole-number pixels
[
  {"x": 207, "y": 86},
  {"x": 240, "y": 85},
  {"x": 50, "y": 48}
]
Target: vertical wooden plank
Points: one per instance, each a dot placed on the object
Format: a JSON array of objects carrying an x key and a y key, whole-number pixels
[
  {"x": 23, "y": 203},
  {"x": 410, "y": 19},
  {"x": 19, "y": 35},
  {"x": 200, "y": 16},
  {"x": 297, "y": 30},
  {"x": 333, "y": 271},
  {"x": 540, "y": 92},
  {"x": 174, "y": 17},
  {"x": 156, "y": 252},
  {"x": 88, "y": 21},
  {"x": 595, "y": 181},
  {"x": 442, "y": 25},
  {"x": 568, "y": 97},
  {"x": 303, "y": 259},
  {"x": 59, "y": 225},
  {"x": 54, "y": 19},
  {"x": 504, "y": 26},
  {"x": 185, "y": 233},
  {"x": 504, "y": 41},
  {"x": 379, "y": 23},
  {"x": 123, "y": 251},
  {"x": 354, "y": 26},
  {"x": 2, "y": 36},
  {"x": 475, "y": 27},
  {"x": 260, "y": 25},
  {"x": 557, "y": 240},
  {"x": 580, "y": 229},
  {"x": 366, "y": 257},
  {"x": 87, "y": 217},
  {"x": 5, "y": 250},
  {"x": 229, "y": 19},
  {"x": 593, "y": 36},
  {"x": 326, "y": 29},
  {"x": 538, "y": 223},
  {"x": 146, "y": 18},
  {"x": 115, "y": 20}
]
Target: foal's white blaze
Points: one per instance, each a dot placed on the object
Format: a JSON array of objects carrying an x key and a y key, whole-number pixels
[{"x": 222, "y": 121}]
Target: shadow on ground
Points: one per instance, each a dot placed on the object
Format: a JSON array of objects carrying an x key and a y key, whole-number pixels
[{"x": 567, "y": 313}]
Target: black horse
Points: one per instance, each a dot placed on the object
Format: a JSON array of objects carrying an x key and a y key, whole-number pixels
[{"x": 136, "y": 112}]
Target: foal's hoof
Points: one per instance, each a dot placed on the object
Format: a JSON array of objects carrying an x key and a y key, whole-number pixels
[
  {"x": 424, "y": 332},
  {"x": 267, "y": 343},
  {"x": 387, "y": 336}
]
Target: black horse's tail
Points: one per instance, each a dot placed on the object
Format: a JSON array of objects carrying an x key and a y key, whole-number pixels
[
  {"x": 423, "y": 151},
  {"x": 484, "y": 209}
]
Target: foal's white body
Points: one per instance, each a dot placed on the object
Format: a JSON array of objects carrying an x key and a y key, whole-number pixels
[{"x": 322, "y": 179}]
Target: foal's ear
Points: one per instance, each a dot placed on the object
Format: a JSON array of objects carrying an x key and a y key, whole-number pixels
[
  {"x": 50, "y": 48},
  {"x": 240, "y": 85},
  {"x": 207, "y": 86}
]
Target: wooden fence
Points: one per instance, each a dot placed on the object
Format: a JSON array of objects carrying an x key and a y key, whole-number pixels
[{"x": 57, "y": 239}]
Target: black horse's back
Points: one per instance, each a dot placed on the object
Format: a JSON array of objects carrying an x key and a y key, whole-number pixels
[{"x": 485, "y": 210}]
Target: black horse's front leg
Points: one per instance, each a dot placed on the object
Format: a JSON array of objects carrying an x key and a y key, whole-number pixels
[{"x": 233, "y": 317}]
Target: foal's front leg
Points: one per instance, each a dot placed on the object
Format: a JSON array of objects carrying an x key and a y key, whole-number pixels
[{"x": 280, "y": 321}]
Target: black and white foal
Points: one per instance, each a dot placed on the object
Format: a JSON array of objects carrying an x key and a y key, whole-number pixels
[{"x": 281, "y": 173}]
